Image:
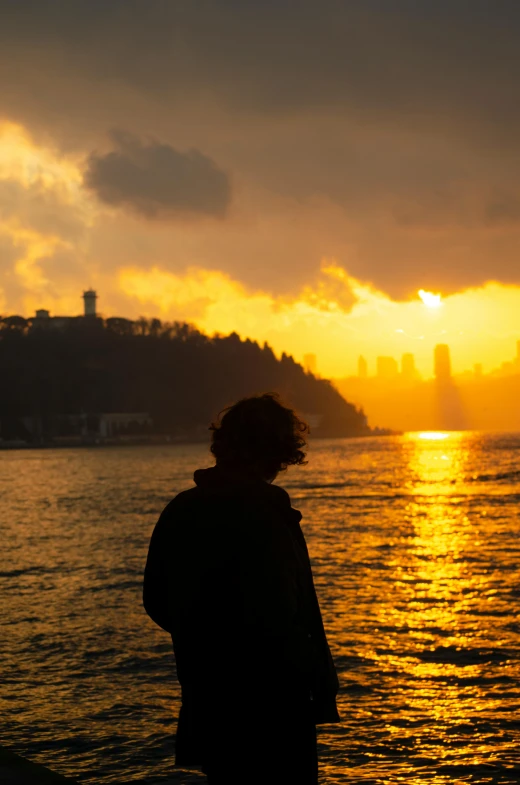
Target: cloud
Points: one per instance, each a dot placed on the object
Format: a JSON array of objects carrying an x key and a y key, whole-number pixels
[
  {"x": 157, "y": 181},
  {"x": 219, "y": 303},
  {"x": 352, "y": 318},
  {"x": 45, "y": 220},
  {"x": 40, "y": 209},
  {"x": 449, "y": 64},
  {"x": 11, "y": 289},
  {"x": 503, "y": 207},
  {"x": 386, "y": 135}
]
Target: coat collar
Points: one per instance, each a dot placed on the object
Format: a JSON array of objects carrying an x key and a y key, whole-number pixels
[{"x": 217, "y": 480}]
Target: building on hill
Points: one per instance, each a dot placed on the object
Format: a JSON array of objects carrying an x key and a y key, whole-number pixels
[
  {"x": 66, "y": 373},
  {"x": 89, "y": 300},
  {"x": 43, "y": 319},
  {"x": 85, "y": 428},
  {"x": 111, "y": 424}
]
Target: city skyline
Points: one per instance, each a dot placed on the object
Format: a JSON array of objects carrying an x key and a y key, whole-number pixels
[
  {"x": 403, "y": 400},
  {"x": 387, "y": 367}
]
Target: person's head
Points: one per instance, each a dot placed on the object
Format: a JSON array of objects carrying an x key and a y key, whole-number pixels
[{"x": 259, "y": 436}]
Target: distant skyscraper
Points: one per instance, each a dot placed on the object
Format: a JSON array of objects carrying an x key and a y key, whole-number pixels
[
  {"x": 362, "y": 367},
  {"x": 89, "y": 298},
  {"x": 387, "y": 368},
  {"x": 408, "y": 370},
  {"x": 442, "y": 362},
  {"x": 310, "y": 364}
]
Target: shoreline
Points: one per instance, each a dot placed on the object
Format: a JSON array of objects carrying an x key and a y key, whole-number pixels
[{"x": 18, "y": 444}]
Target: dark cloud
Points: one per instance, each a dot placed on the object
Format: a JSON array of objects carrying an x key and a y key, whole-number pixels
[
  {"x": 503, "y": 208},
  {"x": 450, "y": 64},
  {"x": 64, "y": 269},
  {"x": 400, "y": 260},
  {"x": 386, "y": 134},
  {"x": 157, "y": 181}
]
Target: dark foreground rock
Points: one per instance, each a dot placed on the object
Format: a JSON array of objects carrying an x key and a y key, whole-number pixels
[{"x": 15, "y": 770}]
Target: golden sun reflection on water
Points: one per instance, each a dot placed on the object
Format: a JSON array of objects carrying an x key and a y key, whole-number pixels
[
  {"x": 421, "y": 614},
  {"x": 434, "y": 436},
  {"x": 436, "y": 592},
  {"x": 436, "y": 462}
]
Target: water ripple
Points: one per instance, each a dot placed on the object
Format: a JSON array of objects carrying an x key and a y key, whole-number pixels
[{"x": 415, "y": 553}]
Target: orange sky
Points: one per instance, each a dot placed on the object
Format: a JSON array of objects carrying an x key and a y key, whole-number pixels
[
  {"x": 299, "y": 182},
  {"x": 334, "y": 315}
]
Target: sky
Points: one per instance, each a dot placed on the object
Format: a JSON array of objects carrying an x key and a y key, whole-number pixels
[{"x": 294, "y": 171}]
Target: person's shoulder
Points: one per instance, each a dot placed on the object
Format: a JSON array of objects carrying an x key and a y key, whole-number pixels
[
  {"x": 279, "y": 495},
  {"x": 187, "y": 499},
  {"x": 180, "y": 515},
  {"x": 197, "y": 502},
  {"x": 276, "y": 499},
  {"x": 266, "y": 511}
]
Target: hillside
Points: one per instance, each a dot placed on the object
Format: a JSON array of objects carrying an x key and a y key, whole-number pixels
[{"x": 59, "y": 376}]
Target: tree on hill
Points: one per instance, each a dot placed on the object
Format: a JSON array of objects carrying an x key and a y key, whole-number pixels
[{"x": 180, "y": 376}]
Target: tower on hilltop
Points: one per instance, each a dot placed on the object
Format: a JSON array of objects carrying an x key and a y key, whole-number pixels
[{"x": 89, "y": 298}]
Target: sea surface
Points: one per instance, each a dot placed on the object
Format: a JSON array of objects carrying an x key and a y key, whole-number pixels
[{"x": 415, "y": 545}]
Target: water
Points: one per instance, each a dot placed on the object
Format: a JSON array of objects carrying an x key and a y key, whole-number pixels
[{"x": 415, "y": 550}]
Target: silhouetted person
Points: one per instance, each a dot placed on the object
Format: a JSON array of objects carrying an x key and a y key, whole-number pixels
[{"x": 228, "y": 575}]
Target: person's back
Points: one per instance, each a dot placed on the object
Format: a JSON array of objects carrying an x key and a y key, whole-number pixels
[{"x": 228, "y": 576}]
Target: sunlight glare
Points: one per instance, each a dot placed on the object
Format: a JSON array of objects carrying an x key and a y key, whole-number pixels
[
  {"x": 23, "y": 160},
  {"x": 430, "y": 299}
]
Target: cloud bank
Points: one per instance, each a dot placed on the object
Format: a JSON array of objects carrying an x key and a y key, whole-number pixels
[
  {"x": 383, "y": 135},
  {"x": 157, "y": 181}
]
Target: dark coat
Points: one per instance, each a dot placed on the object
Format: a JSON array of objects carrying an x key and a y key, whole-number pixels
[{"x": 228, "y": 576}]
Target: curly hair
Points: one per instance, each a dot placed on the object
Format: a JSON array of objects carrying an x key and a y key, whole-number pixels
[{"x": 259, "y": 433}]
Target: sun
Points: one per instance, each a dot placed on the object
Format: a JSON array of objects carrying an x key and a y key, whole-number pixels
[{"x": 430, "y": 299}]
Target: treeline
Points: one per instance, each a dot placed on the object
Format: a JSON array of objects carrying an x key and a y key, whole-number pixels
[{"x": 180, "y": 376}]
